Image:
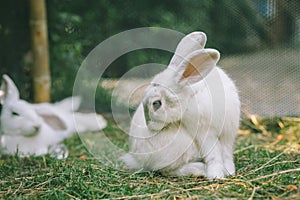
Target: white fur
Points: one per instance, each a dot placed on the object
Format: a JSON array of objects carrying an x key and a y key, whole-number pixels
[
  {"x": 38, "y": 129},
  {"x": 193, "y": 131}
]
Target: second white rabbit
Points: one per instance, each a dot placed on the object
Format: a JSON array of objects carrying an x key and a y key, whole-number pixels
[{"x": 39, "y": 129}]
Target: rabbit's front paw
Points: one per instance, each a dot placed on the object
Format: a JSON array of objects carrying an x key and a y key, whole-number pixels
[
  {"x": 189, "y": 169},
  {"x": 215, "y": 171},
  {"x": 229, "y": 168},
  {"x": 59, "y": 151},
  {"x": 195, "y": 169}
]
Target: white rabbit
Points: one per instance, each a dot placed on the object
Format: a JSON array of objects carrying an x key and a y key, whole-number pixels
[
  {"x": 188, "y": 118},
  {"x": 38, "y": 129}
]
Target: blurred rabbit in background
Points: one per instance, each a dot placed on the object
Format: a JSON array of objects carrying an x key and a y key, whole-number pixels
[{"x": 39, "y": 129}]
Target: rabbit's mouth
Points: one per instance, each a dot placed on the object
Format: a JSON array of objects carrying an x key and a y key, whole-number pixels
[
  {"x": 152, "y": 122},
  {"x": 21, "y": 133},
  {"x": 156, "y": 126},
  {"x": 34, "y": 132},
  {"x": 27, "y": 133}
]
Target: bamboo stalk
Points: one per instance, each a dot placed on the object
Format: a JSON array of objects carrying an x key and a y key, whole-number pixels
[{"x": 39, "y": 43}]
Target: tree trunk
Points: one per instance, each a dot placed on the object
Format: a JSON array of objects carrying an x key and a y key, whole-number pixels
[{"x": 39, "y": 42}]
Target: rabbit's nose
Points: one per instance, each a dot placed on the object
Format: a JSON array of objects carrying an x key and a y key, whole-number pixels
[{"x": 36, "y": 129}]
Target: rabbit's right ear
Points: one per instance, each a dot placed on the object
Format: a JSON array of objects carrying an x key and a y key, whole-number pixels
[
  {"x": 188, "y": 44},
  {"x": 196, "y": 66},
  {"x": 51, "y": 118},
  {"x": 8, "y": 90}
]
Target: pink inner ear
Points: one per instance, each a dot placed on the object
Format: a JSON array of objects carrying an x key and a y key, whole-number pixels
[
  {"x": 189, "y": 71},
  {"x": 54, "y": 122},
  {"x": 199, "y": 64},
  {"x": 3, "y": 92}
]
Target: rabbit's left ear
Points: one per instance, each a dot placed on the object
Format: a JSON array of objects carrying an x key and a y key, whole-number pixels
[
  {"x": 197, "y": 65},
  {"x": 188, "y": 44},
  {"x": 8, "y": 90}
]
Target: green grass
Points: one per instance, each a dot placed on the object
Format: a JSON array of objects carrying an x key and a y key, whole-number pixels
[{"x": 267, "y": 161}]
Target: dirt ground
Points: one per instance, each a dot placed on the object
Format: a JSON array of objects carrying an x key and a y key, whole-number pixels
[{"x": 268, "y": 81}]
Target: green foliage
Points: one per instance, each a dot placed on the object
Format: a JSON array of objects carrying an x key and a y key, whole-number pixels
[
  {"x": 76, "y": 27},
  {"x": 15, "y": 43},
  {"x": 90, "y": 23}
]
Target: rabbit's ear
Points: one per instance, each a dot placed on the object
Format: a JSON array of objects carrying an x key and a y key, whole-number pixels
[
  {"x": 8, "y": 90},
  {"x": 50, "y": 118},
  {"x": 188, "y": 44},
  {"x": 69, "y": 104},
  {"x": 197, "y": 65},
  {"x": 54, "y": 122}
]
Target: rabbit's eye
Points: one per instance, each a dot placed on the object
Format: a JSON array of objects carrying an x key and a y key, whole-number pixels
[
  {"x": 156, "y": 105},
  {"x": 15, "y": 114}
]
